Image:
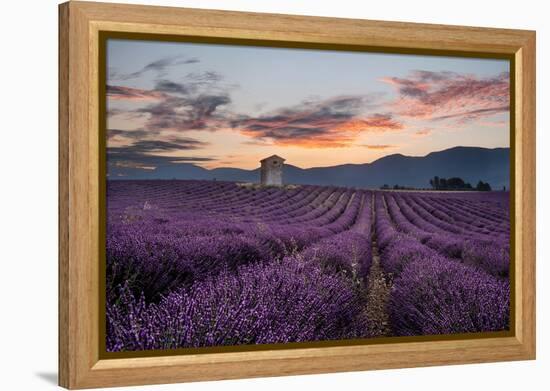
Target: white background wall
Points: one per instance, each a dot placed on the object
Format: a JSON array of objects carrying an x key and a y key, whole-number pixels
[{"x": 28, "y": 193}]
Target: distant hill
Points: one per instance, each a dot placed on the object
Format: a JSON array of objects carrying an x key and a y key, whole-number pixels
[{"x": 469, "y": 163}]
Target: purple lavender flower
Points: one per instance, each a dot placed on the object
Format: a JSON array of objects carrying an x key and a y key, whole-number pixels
[
  {"x": 439, "y": 296},
  {"x": 285, "y": 301}
]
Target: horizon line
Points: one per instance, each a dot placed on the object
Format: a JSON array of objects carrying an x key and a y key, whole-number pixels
[{"x": 346, "y": 164}]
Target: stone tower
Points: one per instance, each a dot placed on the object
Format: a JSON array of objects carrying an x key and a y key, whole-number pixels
[{"x": 272, "y": 171}]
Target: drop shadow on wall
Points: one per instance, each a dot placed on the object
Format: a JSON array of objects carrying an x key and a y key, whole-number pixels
[{"x": 48, "y": 377}]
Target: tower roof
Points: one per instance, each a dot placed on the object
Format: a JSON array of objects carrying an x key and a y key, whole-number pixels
[{"x": 273, "y": 157}]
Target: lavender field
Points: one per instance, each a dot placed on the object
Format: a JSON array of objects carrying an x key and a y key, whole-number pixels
[{"x": 206, "y": 263}]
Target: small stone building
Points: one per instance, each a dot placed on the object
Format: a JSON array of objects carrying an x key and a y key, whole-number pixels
[{"x": 271, "y": 171}]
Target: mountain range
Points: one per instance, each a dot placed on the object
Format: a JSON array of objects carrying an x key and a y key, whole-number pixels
[{"x": 472, "y": 164}]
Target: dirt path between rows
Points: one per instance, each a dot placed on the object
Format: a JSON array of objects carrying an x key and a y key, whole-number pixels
[{"x": 378, "y": 291}]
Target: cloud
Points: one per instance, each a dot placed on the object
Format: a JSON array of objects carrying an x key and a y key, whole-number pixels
[
  {"x": 329, "y": 123},
  {"x": 158, "y": 66},
  {"x": 169, "y": 145},
  {"x": 129, "y": 159},
  {"x": 192, "y": 104},
  {"x": 450, "y": 95},
  {"x": 111, "y": 112},
  {"x": 203, "y": 78},
  {"x": 469, "y": 115},
  {"x": 175, "y": 144},
  {"x": 496, "y": 123},
  {"x": 186, "y": 113},
  {"x": 127, "y": 134},
  {"x": 378, "y": 146},
  {"x": 167, "y": 86},
  {"x": 373, "y": 123},
  {"x": 133, "y": 94},
  {"x": 422, "y": 132},
  {"x": 145, "y": 153}
]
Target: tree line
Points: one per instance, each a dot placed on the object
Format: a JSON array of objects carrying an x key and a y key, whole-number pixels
[{"x": 456, "y": 183}]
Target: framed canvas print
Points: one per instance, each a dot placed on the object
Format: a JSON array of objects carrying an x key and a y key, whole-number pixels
[{"x": 248, "y": 195}]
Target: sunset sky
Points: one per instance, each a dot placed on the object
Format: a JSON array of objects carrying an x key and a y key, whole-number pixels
[{"x": 230, "y": 106}]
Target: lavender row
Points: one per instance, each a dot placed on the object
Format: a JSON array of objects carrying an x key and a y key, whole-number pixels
[
  {"x": 155, "y": 256},
  {"x": 348, "y": 252},
  {"x": 489, "y": 254},
  {"x": 258, "y": 304},
  {"x": 432, "y": 294},
  {"x": 436, "y": 296}
]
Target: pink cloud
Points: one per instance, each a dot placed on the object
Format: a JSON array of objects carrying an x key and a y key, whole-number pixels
[
  {"x": 379, "y": 146},
  {"x": 449, "y": 95},
  {"x": 498, "y": 123}
]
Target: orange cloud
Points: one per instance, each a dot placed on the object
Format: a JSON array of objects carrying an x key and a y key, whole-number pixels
[
  {"x": 422, "y": 132},
  {"x": 331, "y": 123},
  {"x": 374, "y": 123},
  {"x": 378, "y": 146}
]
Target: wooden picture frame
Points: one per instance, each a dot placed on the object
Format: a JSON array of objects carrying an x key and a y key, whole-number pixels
[{"x": 81, "y": 364}]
